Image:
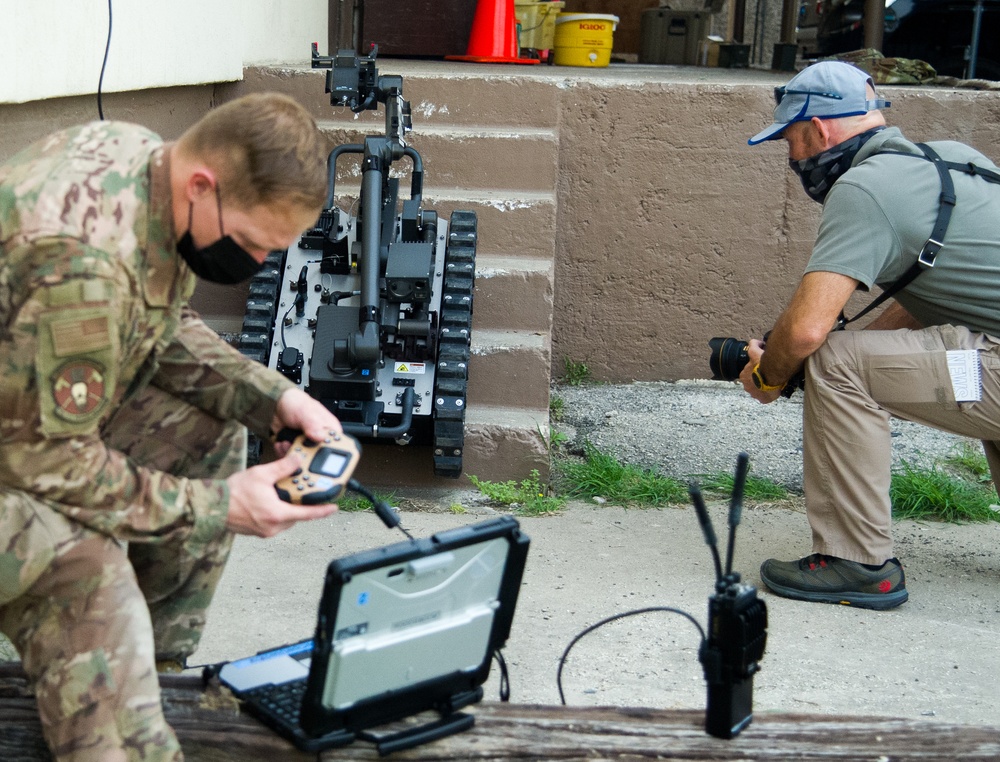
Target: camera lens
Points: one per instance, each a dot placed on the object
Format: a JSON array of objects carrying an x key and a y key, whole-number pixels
[{"x": 729, "y": 357}]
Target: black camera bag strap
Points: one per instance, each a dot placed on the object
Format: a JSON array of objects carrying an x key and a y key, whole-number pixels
[{"x": 928, "y": 254}]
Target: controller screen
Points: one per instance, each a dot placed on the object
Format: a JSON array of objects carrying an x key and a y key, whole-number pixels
[{"x": 329, "y": 462}]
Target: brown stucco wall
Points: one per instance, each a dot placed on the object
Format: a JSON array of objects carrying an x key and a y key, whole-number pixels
[
  {"x": 672, "y": 230},
  {"x": 167, "y": 111}
]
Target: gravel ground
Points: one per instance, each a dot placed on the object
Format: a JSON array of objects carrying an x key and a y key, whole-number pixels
[{"x": 696, "y": 427}]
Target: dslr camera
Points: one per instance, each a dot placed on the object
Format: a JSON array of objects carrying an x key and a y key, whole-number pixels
[{"x": 729, "y": 357}]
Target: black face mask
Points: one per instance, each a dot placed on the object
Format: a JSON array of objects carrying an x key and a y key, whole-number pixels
[
  {"x": 818, "y": 173},
  {"x": 224, "y": 261}
]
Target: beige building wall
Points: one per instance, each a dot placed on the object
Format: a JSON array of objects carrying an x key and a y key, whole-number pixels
[{"x": 673, "y": 230}]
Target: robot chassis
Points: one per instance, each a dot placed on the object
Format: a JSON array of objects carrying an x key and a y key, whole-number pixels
[{"x": 372, "y": 313}]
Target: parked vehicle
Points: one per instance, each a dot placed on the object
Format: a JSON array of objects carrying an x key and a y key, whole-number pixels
[
  {"x": 939, "y": 32},
  {"x": 807, "y": 27}
]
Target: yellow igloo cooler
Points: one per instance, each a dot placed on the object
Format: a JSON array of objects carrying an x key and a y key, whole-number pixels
[{"x": 584, "y": 39}]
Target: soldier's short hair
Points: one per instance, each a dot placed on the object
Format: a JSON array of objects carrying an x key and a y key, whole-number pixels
[{"x": 265, "y": 148}]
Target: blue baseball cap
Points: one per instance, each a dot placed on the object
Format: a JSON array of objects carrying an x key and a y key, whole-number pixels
[{"x": 828, "y": 90}]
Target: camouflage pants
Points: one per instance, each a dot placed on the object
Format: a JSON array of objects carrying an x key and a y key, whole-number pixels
[{"x": 90, "y": 617}]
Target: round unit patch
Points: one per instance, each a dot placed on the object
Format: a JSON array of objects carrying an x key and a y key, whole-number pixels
[{"x": 78, "y": 389}]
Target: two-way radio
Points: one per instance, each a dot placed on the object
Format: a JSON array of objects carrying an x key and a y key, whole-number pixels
[{"x": 737, "y": 625}]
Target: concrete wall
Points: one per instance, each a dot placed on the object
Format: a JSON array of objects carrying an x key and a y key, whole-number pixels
[{"x": 672, "y": 230}]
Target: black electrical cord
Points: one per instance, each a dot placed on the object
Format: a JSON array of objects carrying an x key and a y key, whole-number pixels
[
  {"x": 382, "y": 509},
  {"x": 100, "y": 81},
  {"x": 504, "y": 675},
  {"x": 284, "y": 344},
  {"x": 668, "y": 609}
]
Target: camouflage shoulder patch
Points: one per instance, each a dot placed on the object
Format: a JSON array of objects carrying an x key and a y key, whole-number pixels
[{"x": 79, "y": 390}]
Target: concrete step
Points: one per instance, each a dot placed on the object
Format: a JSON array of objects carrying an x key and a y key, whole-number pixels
[
  {"x": 509, "y": 369},
  {"x": 501, "y": 159},
  {"x": 501, "y": 443},
  {"x": 436, "y": 97},
  {"x": 510, "y": 224},
  {"x": 513, "y": 293}
]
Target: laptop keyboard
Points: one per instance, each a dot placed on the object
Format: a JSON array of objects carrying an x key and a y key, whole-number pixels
[{"x": 283, "y": 700}]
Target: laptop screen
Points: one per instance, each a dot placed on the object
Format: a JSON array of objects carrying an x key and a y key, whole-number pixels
[{"x": 408, "y": 622}]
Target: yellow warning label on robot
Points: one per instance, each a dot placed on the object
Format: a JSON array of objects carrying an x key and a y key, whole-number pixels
[{"x": 413, "y": 368}]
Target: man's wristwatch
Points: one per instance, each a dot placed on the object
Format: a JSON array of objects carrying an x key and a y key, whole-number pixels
[{"x": 760, "y": 383}]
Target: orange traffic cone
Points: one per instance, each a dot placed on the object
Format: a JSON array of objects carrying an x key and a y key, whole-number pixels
[{"x": 494, "y": 35}]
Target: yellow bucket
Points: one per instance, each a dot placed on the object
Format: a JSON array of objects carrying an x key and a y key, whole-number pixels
[
  {"x": 538, "y": 22},
  {"x": 584, "y": 39}
]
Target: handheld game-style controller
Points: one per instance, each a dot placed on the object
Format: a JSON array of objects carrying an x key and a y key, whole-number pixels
[{"x": 326, "y": 469}]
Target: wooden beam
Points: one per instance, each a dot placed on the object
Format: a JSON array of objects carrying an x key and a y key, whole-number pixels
[{"x": 211, "y": 728}]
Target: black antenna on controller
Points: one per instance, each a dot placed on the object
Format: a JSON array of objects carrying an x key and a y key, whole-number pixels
[{"x": 736, "y": 506}]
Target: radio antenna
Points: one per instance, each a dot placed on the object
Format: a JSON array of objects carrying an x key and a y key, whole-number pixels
[
  {"x": 706, "y": 526},
  {"x": 736, "y": 506}
]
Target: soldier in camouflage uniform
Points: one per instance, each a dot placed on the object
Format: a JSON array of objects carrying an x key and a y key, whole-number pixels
[{"x": 122, "y": 432}]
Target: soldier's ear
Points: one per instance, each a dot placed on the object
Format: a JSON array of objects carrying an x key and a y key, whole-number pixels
[{"x": 201, "y": 181}]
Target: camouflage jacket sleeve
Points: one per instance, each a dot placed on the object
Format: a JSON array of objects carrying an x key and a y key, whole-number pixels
[
  {"x": 203, "y": 370},
  {"x": 64, "y": 371}
]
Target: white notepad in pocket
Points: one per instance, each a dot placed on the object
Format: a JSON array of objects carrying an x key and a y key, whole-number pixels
[{"x": 966, "y": 374}]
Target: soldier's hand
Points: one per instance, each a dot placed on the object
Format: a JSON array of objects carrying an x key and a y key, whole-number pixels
[
  {"x": 297, "y": 410},
  {"x": 254, "y": 505}
]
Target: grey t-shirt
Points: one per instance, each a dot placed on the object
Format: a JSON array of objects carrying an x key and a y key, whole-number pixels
[{"x": 878, "y": 215}]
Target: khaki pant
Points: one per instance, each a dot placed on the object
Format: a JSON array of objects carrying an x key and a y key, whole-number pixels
[
  {"x": 853, "y": 384},
  {"x": 89, "y": 618}
]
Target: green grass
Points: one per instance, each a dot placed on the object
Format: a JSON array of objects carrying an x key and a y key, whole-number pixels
[
  {"x": 352, "y": 502},
  {"x": 755, "y": 488},
  {"x": 957, "y": 490},
  {"x": 969, "y": 461},
  {"x": 601, "y": 475},
  {"x": 528, "y": 497},
  {"x": 934, "y": 493}
]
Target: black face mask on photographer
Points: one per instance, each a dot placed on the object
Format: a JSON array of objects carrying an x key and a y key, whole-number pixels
[
  {"x": 818, "y": 173},
  {"x": 224, "y": 261}
]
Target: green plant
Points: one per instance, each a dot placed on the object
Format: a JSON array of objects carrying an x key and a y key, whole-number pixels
[
  {"x": 554, "y": 440},
  {"x": 921, "y": 493},
  {"x": 557, "y": 408},
  {"x": 601, "y": 475},
  {"x": 457, "y": 508},
  {"x": 969, "y": 459},
  {"x": 528, "y": 496},
  {"x": 575, "y": 373},
  {"x": 352, "y": 502},
  {"x": 754, "y": 489}
]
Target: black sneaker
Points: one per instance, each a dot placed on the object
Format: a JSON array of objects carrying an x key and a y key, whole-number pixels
[{"x": 825, "y": 579}]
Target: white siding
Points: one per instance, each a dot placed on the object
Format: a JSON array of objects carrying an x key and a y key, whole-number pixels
[{"x": 54, "y": 48}]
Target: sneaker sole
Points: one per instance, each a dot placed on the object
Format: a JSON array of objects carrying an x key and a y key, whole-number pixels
[{"x": 876, "y": 601}]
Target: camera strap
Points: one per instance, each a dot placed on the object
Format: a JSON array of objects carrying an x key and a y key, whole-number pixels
[{"x": 928, "y": 254}]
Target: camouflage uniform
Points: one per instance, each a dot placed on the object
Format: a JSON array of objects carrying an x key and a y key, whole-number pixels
[{"x": 122, "y": 414}]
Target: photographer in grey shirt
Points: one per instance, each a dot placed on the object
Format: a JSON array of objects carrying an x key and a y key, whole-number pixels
[{"x": 881, "y": 199}]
